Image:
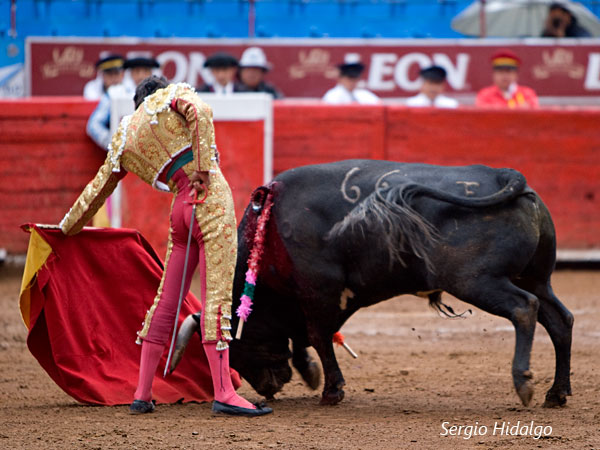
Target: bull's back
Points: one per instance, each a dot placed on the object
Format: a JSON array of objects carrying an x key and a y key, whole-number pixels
[
  {"x": 326, "y": 193},
  {"x": 352, "y": 180}
]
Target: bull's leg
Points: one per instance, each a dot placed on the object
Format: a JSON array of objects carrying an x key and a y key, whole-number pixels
[
  {"x": 306, "y": 366},
  {"x": 558, "y": 322},
  {"x": 502, "y": 298},
  {"x": 334, "y": 381}
]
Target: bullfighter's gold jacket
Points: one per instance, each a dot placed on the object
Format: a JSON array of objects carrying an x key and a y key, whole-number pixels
[
  {"x": 169, "y": 122},
  {"x": 146, "y": 147}
]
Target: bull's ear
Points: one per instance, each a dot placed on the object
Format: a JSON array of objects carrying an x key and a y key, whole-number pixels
[{"x": 258, "y": 198}]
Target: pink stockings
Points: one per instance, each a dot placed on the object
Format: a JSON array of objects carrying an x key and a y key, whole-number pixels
[
  {"x": 151, "y": 354},
  {"x": 161, "y": 325},
  {"x": 218, "y": 361}
]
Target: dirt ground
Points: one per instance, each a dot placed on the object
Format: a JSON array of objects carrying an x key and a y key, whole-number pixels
[{"x": 417, "y": 374}]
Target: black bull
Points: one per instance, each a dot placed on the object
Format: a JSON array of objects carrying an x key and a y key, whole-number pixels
[{"x": 347, "y": 235}]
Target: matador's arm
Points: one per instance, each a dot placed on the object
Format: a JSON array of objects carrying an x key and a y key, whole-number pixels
[{"x": 97, "y": 190}]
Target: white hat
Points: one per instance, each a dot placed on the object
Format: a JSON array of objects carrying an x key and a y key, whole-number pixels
[
  {"x": 352, "y": 58},
  {"x": 254, "y": 57}
]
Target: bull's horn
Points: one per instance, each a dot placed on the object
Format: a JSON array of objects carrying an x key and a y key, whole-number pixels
[{"x": 186, "y": 331}]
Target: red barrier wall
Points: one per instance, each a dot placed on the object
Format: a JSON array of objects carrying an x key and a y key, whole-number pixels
[
  {"x": 557, "y": 151},
  {"x": 46, "y": 158}
]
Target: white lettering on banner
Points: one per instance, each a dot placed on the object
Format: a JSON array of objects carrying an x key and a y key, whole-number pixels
[
  {"x": 381, "y": 66},
  {"x": 456, "y": 75},
  {"x": 403, "y": 67},
  {"x": 592, "y": 76},
  {"x": 180, "y": 61}
]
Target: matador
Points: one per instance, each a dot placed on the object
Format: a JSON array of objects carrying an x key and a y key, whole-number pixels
[{"x": 169, "y": 143}]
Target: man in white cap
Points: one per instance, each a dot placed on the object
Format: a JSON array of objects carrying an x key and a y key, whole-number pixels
[
  {"x": 109, "y": 73},
  {"x": 253, "y": 68},
  {"x": 347, "y": 91},
  {"x": 98, "y": 126}
]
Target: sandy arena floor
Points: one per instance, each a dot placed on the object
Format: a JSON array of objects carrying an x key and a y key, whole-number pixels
[{"x": 415, "y": 371}]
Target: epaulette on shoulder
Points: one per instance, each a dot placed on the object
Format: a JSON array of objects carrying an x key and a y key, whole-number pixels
[{"x": 161, "y": 100}]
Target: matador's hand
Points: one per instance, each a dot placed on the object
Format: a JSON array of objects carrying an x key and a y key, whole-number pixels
[{"x": 199, "y": 181}]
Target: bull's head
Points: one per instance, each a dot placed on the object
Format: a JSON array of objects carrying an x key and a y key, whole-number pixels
[{"x": 262, "y": 356}]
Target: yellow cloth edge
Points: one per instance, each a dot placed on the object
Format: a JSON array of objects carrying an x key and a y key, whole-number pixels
[
  {"x": 101, "y": 219},
  {"x": 37, "y": 254}
]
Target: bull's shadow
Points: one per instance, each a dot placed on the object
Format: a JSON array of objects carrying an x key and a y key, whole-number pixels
[{"x": 346, "y": 235}]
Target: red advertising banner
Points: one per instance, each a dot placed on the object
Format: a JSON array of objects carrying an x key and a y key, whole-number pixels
[{"x": 307, "y": 67}]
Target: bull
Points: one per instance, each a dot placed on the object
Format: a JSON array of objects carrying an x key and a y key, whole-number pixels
[{"x": 350, "y": 234}]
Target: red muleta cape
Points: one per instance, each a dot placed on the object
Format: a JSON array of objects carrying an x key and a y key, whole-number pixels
[{"x": 83, "y": 298}]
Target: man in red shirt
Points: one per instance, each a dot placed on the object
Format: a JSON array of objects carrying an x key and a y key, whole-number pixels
[{"x": 506, "y": 93}]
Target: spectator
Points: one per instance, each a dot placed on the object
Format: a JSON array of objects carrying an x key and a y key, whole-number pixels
[
  {"x": 98, "y": 126},
  {"x": 434, "y": 79},
  {"x": 110, "y": 73},
  {"x": 506, "y": 93},
  {"x": 347, "y": 91},
  {"x": 223, "y": 68},
  {"x": 140, "y": 68},
  {"x": 560, "y": 22},
  {"x": 253, "y": 68}
]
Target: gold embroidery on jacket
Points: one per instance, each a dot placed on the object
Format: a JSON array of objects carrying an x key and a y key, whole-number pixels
[{"x": 216, "y": 218}]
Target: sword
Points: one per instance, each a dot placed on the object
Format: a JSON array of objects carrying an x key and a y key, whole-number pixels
[{"x": 185, "y": 264}]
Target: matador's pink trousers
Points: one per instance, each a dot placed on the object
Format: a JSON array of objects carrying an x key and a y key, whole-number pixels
[{"x": 163, "y": 318}]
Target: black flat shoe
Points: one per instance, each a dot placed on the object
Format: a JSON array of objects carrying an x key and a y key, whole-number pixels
[
  {"x": 141, "y": 407},
  {"x": 224, "y": 408}
]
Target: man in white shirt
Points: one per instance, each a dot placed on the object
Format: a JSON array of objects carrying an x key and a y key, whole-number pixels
[
  {"x": 110, "y": 73},
  {"x": 98, "y": 126},
  {"x": 434, "y": 79},
  {"x": 223, "y": 68},
  {"x": 347, "y": 91},
  {"x": 253, "y": 69}
]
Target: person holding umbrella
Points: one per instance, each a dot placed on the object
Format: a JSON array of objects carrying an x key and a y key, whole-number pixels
[
  {"x": 505, "y": 92},
  {"x": 562, "y": 23},
  {"x": 523, "y": 18}
]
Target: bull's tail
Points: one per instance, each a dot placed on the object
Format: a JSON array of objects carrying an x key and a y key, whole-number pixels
[
  {"x": 261, "y": 203},
  {"x": 435, "y": 301},
  {"x": 388, "y": 213}
]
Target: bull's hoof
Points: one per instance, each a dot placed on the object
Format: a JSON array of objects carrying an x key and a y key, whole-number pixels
[
  {"x": 332, "y": 398},
  {"x": 312, "y": 375},
  {"x": 555, "y": 399},
  {"x": 525, "y": 388},
  {"x": 525, "y": 392}
]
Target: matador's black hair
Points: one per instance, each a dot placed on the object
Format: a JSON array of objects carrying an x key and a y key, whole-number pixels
[{"x": 147, "y": 87}]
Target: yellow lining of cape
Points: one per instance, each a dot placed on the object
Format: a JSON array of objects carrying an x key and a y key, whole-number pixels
[{"x": 38, "y": 252}]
